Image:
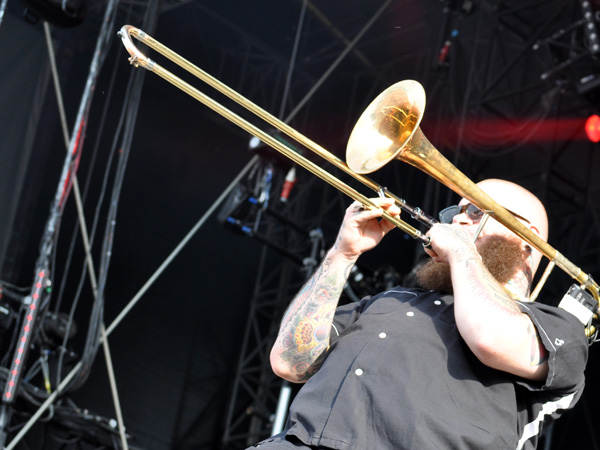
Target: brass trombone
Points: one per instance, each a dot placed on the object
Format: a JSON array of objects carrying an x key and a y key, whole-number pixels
[
  {"x": 390, "y": 126},
  {"x": 138, "y": 59}
]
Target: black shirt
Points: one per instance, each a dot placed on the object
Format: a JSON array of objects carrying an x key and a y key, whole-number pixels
[{"x": 398, "y": 375}]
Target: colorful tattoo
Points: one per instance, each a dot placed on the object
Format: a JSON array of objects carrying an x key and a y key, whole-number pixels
[{"x": 305, "y": 328}]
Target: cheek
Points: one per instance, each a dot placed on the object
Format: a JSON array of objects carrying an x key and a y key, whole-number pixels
[{"x": 493, "y": 227}]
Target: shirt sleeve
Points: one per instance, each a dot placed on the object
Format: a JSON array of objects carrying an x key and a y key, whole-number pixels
[
  {"x": 563, "y": 336},
  {"x": 345, "y": 316}
]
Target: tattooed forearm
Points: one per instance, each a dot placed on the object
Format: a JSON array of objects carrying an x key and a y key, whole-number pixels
[{"x": 305, "y": 329}]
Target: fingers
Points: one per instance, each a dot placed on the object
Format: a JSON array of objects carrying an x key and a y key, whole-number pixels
[
  {"x": 361, "y": 231},
  {"x": 364, "y": 213},
  {"x": 428, "y": 248},
  {"x": 365, "y": 216},
  {"x": 357, "y": 207},
  {"x": 447, "y": 240},
  {"x": 384, "y": 203},
  {"x": 429, "y": 251}
]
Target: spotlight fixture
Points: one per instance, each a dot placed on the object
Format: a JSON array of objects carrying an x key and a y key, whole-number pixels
[
  {"x": 592, "y": 128},
  {"x": 590, "y": 26}
]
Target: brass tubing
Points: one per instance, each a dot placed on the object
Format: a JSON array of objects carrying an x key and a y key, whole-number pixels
[
  {"x": 143, "y": 61},
  {"x": 544, "y": 277},
  {"x": 137, "y": 59},
  {"x": 420, "y": 153}
]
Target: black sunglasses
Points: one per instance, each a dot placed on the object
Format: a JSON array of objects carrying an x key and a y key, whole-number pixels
[{"x": 446, "y": 215}]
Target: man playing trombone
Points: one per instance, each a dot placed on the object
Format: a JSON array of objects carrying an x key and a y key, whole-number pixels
[{"x": 463, "y": 362}]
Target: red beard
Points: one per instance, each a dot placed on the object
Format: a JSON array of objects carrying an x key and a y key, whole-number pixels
[{"x": 501, "y": 256}]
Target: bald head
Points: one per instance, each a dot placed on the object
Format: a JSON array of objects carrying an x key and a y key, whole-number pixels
[{"x": 522, "y": 202}]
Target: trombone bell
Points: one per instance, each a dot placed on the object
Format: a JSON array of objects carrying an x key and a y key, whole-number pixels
[
  {"x": 389, "y": 129},
  {"x": 386, "y": 127}
]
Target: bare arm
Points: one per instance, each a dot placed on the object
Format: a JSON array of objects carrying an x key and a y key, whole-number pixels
[
  {"x": 488, "y": 319},
  {"x": 304, "y": 334},
  {"x": 305, "y": 329}
]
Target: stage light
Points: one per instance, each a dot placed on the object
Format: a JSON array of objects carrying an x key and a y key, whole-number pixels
[
  {"x": 592, "y": 128},
  {"x": 254, "y": 143},
  {"x": 590, "y": 26}
]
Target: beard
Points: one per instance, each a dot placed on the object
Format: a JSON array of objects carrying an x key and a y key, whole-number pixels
[{"x": 502, "y": 257}]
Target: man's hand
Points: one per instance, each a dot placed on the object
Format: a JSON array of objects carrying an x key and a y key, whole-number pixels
[
  {"x": 361, "y": 231},
  {"x": 450, "y": 243}
]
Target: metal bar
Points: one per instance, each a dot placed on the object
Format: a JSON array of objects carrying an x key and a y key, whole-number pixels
[
  {"x": 342, "y": 55},
  {"x": 545, "y": 275},
  {"x": 288, "y": 78}
]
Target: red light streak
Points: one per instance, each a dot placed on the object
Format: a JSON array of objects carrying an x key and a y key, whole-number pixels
[{"x": 484, "y": 133}]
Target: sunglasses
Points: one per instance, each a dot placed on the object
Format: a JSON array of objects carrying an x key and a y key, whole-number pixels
[{"x": 447, "y": 215}]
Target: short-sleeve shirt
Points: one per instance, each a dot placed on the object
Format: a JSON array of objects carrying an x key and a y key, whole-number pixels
[{"x": 398, "y": 375}]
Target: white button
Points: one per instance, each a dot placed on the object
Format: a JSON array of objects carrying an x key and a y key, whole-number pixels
[
  {"x": 382, "y": 335},
  {"x": 358, "y": 372},
  {"x": 410, "y": 314},
  {"x": 438, "y": 302}
]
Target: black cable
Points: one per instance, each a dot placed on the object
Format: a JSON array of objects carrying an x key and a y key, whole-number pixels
[
  {"x": 93, "y": 336},
  {"x": 83, "y": 275},
  {"x": 14, "y": 287},
  {"x": 97, "y": 212}
]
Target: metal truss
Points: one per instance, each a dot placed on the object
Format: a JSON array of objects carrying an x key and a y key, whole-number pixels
[{"x": 255, "y": 392}]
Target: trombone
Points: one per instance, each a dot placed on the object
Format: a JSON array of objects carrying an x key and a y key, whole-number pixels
[
  {"x": 388, "y": 129},
  {"x": 138, "y": 59}
]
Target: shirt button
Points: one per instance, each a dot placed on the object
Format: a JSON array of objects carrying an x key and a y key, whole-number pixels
[
  {"x": 410, "y": 314},
  {"x": 438, "y": 302},
  {"x": 358, "y": 372},
  {"x": 382, "y": 335}
]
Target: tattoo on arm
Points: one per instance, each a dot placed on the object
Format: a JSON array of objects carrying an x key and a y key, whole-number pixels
[{"x": 305, "y": 328}]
